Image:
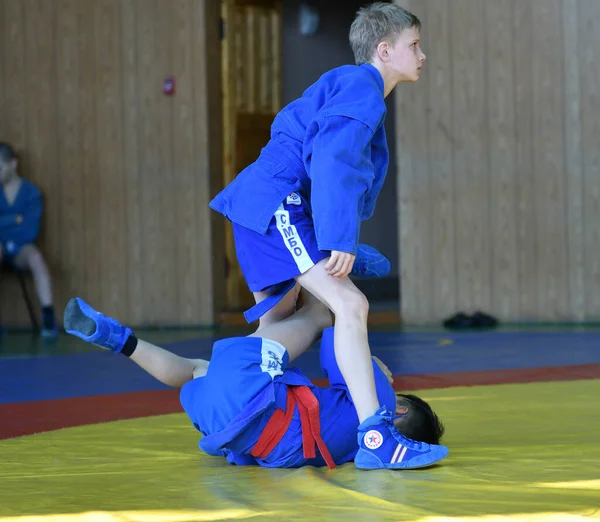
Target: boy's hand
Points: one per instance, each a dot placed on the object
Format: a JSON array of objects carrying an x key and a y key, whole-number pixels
[
  {"x": 340, "y": 264},
  {"x": 384, "y": 369}
]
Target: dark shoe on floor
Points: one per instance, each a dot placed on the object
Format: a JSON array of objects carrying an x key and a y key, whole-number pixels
[
  {"x": 460, "y": 321},
  {"x": 482, "y": 320}
]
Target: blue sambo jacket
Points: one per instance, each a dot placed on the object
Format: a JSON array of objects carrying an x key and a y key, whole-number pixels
[{"x": 330, "y": 146}]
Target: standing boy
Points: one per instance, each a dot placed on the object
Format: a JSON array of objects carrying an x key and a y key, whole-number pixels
[{"x": 296, "y": 211}]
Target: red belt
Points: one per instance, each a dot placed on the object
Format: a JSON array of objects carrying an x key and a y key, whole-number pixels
[{"x": 278, "y": 424}]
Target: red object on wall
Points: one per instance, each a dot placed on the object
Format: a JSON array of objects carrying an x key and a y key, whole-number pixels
[{"x": 169, "y": 85}]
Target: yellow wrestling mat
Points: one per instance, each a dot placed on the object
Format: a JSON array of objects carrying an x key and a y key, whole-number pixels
[{"x": 517, "y": 452}]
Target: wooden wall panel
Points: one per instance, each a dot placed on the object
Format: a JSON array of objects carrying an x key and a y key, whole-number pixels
[
  {"x": 126, "y": 171},
  {"x": 132, "y": 154},
  {"x": 415, "y": 269},
  {"x": 471, "y": 175},
  {"x": 504, "y": 182},
  {"x": 589, "y": 39},
  {"x": 185, "y": 215},
  {"x": 209, "y": 259},
  {"x": 12, "y": 103},
  {"x": 525, "y": 218},
  {"x": 548, "y": 164},
  {"x": 109, "y": 135},
  {"x": 69, "y": 65},
  {"x": 500, "y": 88},
  {"x": 438, "y": 77},
  {"x": 574, "y": 161},
  {"x": 90, "y": 174}
]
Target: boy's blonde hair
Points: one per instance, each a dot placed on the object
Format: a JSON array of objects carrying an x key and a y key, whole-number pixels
[{"x": 375, "y": 23}]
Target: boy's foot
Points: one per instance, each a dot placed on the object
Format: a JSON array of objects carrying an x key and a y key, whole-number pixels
[
  {"x": 381, "y": 446},
  {"x": 49, "y": 329},
  {"x": 49, "y": 333},
  {"x": 370, "y": 263},
  {"x": 82, "y": 321}
]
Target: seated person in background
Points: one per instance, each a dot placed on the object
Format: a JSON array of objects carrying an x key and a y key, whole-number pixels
[{"x": 20, "y": 215}]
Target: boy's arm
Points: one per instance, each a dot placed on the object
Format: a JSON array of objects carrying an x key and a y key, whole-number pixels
[
  {"x": 29, "y": 228},
  {"x": 330, "y": 368},
  {"x": 341, "y": 175},
  {"x": 9, "y": 220},
  {"x": 25, "y": 222}
]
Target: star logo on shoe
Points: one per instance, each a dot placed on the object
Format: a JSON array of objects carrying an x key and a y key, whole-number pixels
[{"x": 373, "y": 439}]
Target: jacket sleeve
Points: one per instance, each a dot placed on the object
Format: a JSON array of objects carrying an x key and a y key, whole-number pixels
[
  {"x": 341, "y": 174},
  {"x": 32, "y": 216},
  {"x": 8, "y": 221}
]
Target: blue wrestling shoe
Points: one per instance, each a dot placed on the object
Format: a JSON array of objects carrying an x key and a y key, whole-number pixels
[
  {"x": 82, "y": 321},
  {"x": 370, "y": 263},
  {"x": 381, "y": 446}
]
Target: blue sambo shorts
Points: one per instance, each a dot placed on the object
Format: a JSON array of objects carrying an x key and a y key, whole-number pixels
[
  {"x": 239, "y": 369},
  {"x": 288, "y": 249}
]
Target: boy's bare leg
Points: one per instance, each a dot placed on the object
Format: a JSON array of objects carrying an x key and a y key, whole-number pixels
[
  {"x": 352, "y": 350},
  {"x": 279, "y": 312},
  {"x": 300, "y": 330},
  {"x": 30, "y": 258},
  {"x": 93, "y": 327},
  {"x": 168, "y": 368},
  {"x": 296, "y": 333}
]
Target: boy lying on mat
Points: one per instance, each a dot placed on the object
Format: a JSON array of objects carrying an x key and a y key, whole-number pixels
[{"x": 254, "y": 409}]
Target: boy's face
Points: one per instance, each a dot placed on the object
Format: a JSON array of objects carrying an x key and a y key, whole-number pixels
[
  {"x": 405, "y": 57},
  {"x": 7, "y": 170}
]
